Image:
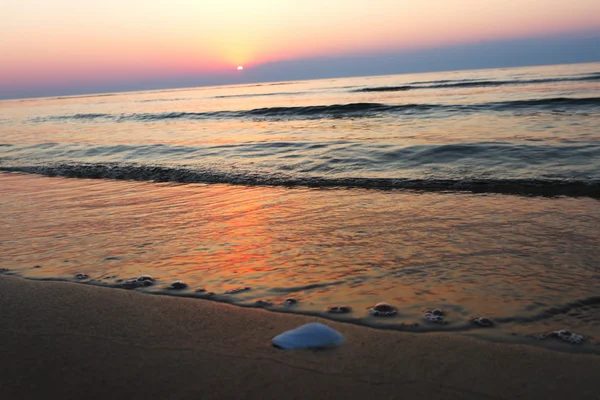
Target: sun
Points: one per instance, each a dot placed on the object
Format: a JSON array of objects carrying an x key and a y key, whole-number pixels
[{"x": 240, "y": 67}]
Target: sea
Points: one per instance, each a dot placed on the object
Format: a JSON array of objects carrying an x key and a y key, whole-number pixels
[{"x": 468, "y": 201}]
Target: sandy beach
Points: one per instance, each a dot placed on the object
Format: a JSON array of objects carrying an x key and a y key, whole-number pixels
[{"x": 64, "y": 340}]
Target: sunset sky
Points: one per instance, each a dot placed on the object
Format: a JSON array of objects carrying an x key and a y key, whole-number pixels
[{"x": 74, "y": 46}]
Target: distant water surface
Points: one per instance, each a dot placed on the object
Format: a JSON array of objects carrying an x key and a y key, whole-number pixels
[{"x": 506, "y": 129}]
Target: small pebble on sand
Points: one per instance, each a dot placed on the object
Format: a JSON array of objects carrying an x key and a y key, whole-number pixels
[
  {"x": 290, "y": 302},
  {"x": 435, "y": 315},
  {"x": 383, "y": 310},
  {"x": 177, "y": 285},
  {"x": 565, "y": 336},
  {"x": 482, "y": 321}
]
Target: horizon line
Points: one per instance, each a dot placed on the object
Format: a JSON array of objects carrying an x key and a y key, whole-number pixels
[{"x": 258, "y": 83}]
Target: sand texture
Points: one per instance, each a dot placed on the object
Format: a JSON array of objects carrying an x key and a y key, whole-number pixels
[{"x": 69, "y": 341}]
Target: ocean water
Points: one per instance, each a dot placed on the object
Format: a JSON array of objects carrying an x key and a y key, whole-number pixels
[{"x": 474, "y": 192}]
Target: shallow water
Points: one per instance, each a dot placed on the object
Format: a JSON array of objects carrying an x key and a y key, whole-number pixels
[{"x": 521, "y": 261}]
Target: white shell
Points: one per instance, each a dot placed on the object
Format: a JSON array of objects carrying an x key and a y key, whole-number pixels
[{"x": 307, "y": 336}]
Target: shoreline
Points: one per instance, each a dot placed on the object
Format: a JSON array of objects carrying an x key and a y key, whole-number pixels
[
  {"x": 465, "y": 328},
  {"x": 63, "y": 339}
]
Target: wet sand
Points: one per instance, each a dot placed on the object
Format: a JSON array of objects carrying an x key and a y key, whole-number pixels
[{"x": 78, "y": 341}]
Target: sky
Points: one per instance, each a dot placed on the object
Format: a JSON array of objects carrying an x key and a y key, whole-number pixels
[{"x": 60, "y": 47}]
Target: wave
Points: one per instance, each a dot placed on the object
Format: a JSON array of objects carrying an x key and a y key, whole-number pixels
[
  {"x": 86, "y": 116},
  {"x": 258, "y": 95},
  {"x": 306, "y": 112},
  {"x": 445, "y": 81},
  {"x": 350, "y": 110},
  {"x": 163, "y": 100},
  {"x": 390, "y": 88},
  {"x": 553, "y": 311},
  {"x": 136, "y": 172},
  {"x": 474, "y": 83},
  {"x": 549, "y": 102}
]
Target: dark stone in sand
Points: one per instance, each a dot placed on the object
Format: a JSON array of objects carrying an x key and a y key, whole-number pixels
[
  {"x": 564, "y": 335},
  {"x": 177, "y": 285},
  {"x": 37, "y": 266},
  {"x": 290, "y": 302},
  {"x": 145, "y": 280},
  {"x": 263, "y": 303},
  {"x": 482, "y": 321},
  {"x": 142, "y": 281},
  {"x": 339, "y": 309},
  {"x": 383, "y": 310},
  {"x": 435, "y": 315},
  {"x": 200, "y": 290},
  {"x": 3, "y": 270},
  {"x": 237, "y": 290},
  {"x": 81, "y": 276}
]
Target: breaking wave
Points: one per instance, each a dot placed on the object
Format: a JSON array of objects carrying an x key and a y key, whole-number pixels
[
  {"x": 528, "y": 187},
  {"x": 350, "y": 110},
  {"x": 475, "y": 83}
]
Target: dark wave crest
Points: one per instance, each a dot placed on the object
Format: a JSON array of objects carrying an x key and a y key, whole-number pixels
[
  {"x": 527, "y": 187},
  {"x": 390, "y": 88},
  {"x": 258, "y": 95},
  {"x": 475, "y": 83},
  {"x": 550, "y": 102},
  {"x": 86, "y": 116},
  {"x": 350, "y": 110}
]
